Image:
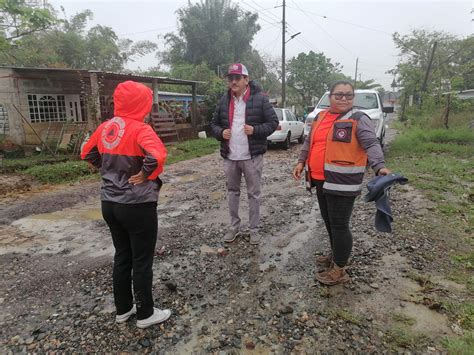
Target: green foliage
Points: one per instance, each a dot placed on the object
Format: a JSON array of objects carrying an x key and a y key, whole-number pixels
[
  {"x": 213, "y": 86},
  {"x": 310, "y": 74},
  {"x": 402, "y": 337},
  {"x": 403, "y": 318},
  {"x": 452, "y": 67},
  {"x": 439, "y": 162},
  {"x": 466, "y": 261},
  {"x": 346, "y": 315},
  {"x": 69, "y": 45},
  {"x": 463, "y": 312},
  {"x": 213, "y": 31},
  {"x": 17, "y": 19},
  {"x": 368, "y": 84},
  {"x": 191, "y": 149},
  {"x": 59, "y": 173},
  {"x": 20, "y": 164},
  {"x": 50, "y": 171},
  {"x": 461, "y": 345}
]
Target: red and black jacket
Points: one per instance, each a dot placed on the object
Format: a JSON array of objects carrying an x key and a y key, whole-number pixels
[{"x": 124, "y": 145}]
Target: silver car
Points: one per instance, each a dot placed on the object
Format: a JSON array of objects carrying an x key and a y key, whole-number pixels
[{"x": 289, "y": 129}]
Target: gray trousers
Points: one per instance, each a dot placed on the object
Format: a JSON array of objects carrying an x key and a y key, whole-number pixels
[{"x": 252, "y": 171}]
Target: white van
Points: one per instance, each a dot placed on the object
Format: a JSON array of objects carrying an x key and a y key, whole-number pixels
[{"x": 367, "y": 101}]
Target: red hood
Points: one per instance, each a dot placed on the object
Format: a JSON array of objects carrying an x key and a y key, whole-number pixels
[{"x": 132, "y": 100}]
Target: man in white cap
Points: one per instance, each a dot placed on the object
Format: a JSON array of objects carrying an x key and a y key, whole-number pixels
[{"x": 243, "y": 120}]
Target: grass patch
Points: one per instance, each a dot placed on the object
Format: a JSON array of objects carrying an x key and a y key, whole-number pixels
[
  {"x": 20, "y": 164},
  {"x": 70, "y": 171},
  {"x": 439, "y": 162},
  {"x": 345, "y": 315},
  {"x": 191, "y": 149},
  {"x": 463, "y": 312},
  {"x": 461, "y": 345},
  {"x": 403, "y": 318},
  {"x": 402, "y": 337},
  {"x": 466, "y": 261},
  {"x": 64, "y": 169}
]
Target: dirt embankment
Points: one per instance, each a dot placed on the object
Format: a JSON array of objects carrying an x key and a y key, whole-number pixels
[{"x": 56, "y": 273}]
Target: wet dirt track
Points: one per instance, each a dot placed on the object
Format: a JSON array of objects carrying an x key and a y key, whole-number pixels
[{"x": 56, "y": 272}]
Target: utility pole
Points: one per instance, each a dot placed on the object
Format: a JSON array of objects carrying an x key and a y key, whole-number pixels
[
  {"x": 425, "y": 80},
  {"x": 355, "y": 76},
  {"x": 283, "y": 69}
]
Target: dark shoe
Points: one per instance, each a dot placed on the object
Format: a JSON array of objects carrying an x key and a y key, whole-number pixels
[
  {"x": 335, "y": 275},
  {"x": 230, "y": 236},
  {"x": 324, "y": 260}
]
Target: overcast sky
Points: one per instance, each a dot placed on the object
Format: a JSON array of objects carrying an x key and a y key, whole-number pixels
[{"x": 342, "y": 30}]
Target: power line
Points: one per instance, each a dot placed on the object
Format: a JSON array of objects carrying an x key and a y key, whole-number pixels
[
  {"x": 152, "y": 30},
  {"x": 322, "y": 28},
  {"x": 346, "y": 22}
]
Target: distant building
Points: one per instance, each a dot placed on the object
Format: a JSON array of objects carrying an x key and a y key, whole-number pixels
[{"x": 38, "y": 103}]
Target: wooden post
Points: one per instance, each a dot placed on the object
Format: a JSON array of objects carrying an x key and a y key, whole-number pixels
[
  {"x": 446, "y": 112},
  {"x": 156, "y": 99},
  {"x": 93, "y": 118},
  {"x": 194, "y": 109}
]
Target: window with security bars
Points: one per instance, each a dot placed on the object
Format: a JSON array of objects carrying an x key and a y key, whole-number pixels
[
  {"x": 47, "y": 108},
  {"x": 4, "y": 127}
]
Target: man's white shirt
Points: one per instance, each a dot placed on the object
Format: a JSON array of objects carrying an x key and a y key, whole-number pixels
[{"x": 238, "y": 143}]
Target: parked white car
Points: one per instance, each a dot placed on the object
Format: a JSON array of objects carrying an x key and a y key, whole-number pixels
[
  {"x": 367, "y": 101},
  {"x": 289, "y": 129}
]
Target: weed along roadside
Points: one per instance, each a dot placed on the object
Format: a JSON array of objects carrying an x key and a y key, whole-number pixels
[
  {"x": 59, "y": 170},
  {"x": 439, "y": 164},
  {"x": 411, "y": 290}
]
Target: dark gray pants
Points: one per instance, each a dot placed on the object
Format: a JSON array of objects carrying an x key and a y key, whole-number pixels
[{"x": 252, "y": 171}]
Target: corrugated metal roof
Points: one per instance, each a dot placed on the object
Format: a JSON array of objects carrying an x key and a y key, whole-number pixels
[{"x": 112, "y": 75}]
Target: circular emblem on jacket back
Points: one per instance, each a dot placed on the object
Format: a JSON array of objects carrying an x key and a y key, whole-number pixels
[
  {"x": 341, "y": 133},
  {"x": 113, "y": 132}
]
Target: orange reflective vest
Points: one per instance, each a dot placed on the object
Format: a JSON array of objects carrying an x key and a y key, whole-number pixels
[{"x": 345, "y": 160}]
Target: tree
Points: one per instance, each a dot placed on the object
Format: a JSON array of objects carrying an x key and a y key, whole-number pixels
[
  {"x": 368, "y": 84},
  {"x": 17, "y": 19},
  {"x": 452, "y": 65},
  {"x": 213, "y": 31},
  {"x": 69, "y": 45},
  {"x": 310, "y": 75}
]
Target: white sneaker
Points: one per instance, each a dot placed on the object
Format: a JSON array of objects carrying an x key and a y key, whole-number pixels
[
  {"x": 158, "y": 316},
  {"x": 120, "y": 318}
]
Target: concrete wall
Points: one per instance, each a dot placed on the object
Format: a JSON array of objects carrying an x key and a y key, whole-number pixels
[
  {"x": 8, "y": 98},
  {"x": 14, "y": 89}
]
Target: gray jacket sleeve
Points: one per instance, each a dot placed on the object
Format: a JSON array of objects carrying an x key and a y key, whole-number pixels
[
  {"x": 304, "y": 149},
  {"x": 369, "y": 142}
]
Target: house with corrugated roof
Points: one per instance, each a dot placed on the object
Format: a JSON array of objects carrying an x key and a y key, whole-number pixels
[{"x": 51, "y": 106}]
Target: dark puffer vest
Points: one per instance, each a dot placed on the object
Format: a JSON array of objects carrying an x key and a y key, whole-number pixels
[{"x": 259, "y": 113}]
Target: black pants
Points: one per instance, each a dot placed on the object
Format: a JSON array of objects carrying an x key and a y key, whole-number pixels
[
  {"x": 134, "y": 228},
  {"x": 336, "y": 212}
]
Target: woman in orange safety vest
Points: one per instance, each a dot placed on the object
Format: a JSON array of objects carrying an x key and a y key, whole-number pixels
[{"x": 341, "y": 142}]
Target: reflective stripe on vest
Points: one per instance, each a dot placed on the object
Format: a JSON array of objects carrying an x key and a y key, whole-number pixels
[
  {"x": 341, "y": 187},
  {"x": 344, "y": 169}
]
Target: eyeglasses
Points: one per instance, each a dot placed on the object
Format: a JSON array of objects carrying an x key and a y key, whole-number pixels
[
  {"x": 233, "y": 77},
  {"x": 340, "y": 95}
]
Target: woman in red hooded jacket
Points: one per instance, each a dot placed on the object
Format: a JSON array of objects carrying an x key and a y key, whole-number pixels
[{"x": 130, "y": 157}]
